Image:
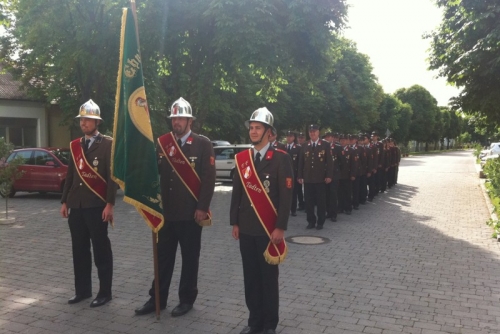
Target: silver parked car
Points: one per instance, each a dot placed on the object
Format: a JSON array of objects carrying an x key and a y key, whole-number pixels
[{"x": 224, "y": 159}]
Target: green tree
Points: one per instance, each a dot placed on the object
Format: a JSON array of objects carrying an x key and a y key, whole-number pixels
[
  {"x": 466, "y": 51},
  {"x": 389, "y": 114},
  {"x": 402, "y": 132},
  {"x": 8, "y": 172},
  {"x": 424, "y": 107}
]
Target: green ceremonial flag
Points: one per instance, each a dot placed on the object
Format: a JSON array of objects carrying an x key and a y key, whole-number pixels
[{"x": 134, "y": 163}]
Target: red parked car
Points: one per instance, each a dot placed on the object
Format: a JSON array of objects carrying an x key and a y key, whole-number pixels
[{"x": 44, "y": 169}]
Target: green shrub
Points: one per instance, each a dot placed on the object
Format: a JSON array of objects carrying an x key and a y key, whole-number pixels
[
  {"x": 477, "y": 150},
  {"x": 492, "y": 171}
]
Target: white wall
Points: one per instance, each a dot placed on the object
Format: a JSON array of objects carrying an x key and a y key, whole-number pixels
[{"x": 24, "y": 109}]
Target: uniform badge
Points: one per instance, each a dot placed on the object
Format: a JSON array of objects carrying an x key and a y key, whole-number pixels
[
  {"x": 80, "y": 164},
  {"x": 212, "y": 161},
  {"x": 289, "y": 182},
  {"x": 266, "y": 184},
  {"x": 95, "y": 162},
  {"x": 95, "y": 168},
  {"x": 172, "y": 151},
  {"x": 247, "y": 173},
  {"x": 189, "y": 141}
]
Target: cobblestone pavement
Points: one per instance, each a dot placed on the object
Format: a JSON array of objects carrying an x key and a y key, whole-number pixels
[{"x": 419, "y": 259}]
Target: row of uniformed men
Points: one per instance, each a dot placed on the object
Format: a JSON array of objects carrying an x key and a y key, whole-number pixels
[{"x": 338, "y": 172}]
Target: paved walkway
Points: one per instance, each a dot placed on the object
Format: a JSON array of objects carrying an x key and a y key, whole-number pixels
[{"x": 419, "y": 259}]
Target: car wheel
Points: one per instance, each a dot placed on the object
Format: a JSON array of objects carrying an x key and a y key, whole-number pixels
[{"x": 42, "y": 193}]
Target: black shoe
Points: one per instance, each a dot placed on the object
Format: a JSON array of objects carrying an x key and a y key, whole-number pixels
[
  {"x": 269, "y": 331},
  {"x": 319, "y": 227},
  {"x": 99, "y": 301},
  {"x": 364, "y": 203},
  {"x": 147, "y": 308},
  {"x": 333, "y": 219},
  {"x": 301, "y": 208},
  {"x": 294, "y": 214},
  {"x": 181, "y": 309},
  {"x": 250, "y": 330},
  {"x": 78, "y": 298},
  {"x": 355, "y": 207},
  {"x": 328, "y": 216},
  {"x": 310, "y": 226},
  {"x": 370, "y": 199},
  {"x": 348, "y": 212}
]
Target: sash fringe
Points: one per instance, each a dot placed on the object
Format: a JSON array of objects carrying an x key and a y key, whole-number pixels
[{"x": 275, "y": 260}]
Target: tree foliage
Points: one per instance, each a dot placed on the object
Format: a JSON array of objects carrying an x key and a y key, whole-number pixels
[
  {"x": 466, "y": 51},
  {"x": 425, "y": 109}
]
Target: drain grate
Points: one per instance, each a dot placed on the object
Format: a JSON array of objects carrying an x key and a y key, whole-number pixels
[{"x": 307, "y": 240}]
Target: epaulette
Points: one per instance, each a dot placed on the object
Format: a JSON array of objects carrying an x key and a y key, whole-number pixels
[
  {"x": 204, "y": 137},
  {"x": 280, "y": 150}
]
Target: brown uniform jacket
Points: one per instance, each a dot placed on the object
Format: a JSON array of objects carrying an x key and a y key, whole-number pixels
[
  {"x": 315, "y": 164},
  {"x": 178, "y": 203},
  {"x": 275, "y": 170},
  {"x": 76, "y": 194}
]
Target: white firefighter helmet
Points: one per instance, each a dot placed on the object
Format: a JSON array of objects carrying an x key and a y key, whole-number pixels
[
  {"x": 262, "y": 115},
  {"x": 90, "y": 110},
  {"x": 181, "y": 108}
]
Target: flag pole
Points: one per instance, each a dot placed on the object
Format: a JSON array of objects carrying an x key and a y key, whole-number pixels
[{"x": 154, "y": 234}]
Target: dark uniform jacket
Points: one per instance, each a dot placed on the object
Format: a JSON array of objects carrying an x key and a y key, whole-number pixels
[
  {"x": 362, "y": 161},
  {"x": 315, "y": 164},
  {"x": 178, "y": 203},
  {"x": 380, "y": 153},
  {"x": 336, "y": 158},
  {"x": 374, "y": 149},
  {"x": 276, "y": 171},
  {"x": 76, "y": 194},
  {"x": 294, "y": 154},
  {"x": 348, "y": 163},
  {"x": 279, "y": 145}
]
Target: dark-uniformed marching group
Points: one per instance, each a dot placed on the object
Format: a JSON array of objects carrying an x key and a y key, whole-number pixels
[
  {"x": 325, "y": 176},
  {"x": 339, "y": 172}
]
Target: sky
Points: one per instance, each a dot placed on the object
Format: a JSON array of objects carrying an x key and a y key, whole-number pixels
[{"x": 390, "y": 33}]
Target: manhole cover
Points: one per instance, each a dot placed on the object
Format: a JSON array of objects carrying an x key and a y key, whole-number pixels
[{"x": 307, "y": 240}]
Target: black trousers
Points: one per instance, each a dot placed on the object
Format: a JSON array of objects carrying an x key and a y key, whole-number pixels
[
  {"x": 333, "y": 198},
  {"x": 345, "y": 195},
  {"x": 383, "y": 180},
  {"x": 261, "y": 283},
  {"x": 296, "y": 186},
  {"x": 187, "y": 234},
  {"x": 86, "y": 225},
  {"x": 355, "y": 192},
  {"x": 391, "y": 176},
  {"x": 315, "y": 195},
  {"x": 300, "y": 194},
  {"x": 373, "y": 185},
  {"x": 363, "y": 190}
]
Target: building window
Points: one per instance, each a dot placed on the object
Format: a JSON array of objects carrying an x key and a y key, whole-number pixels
[{"x": 19, "y": 131}]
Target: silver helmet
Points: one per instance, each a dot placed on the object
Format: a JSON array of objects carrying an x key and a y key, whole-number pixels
[
  {"x": 261, "y": 115},
  {"x": 181, "y": 108},
  {"x": 90, "y": 110}
]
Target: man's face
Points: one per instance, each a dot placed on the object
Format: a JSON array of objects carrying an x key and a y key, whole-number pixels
[
  {"x": 374, "y": 138},
  {"x": 290, "y": 139},
  {"x": 272, "y": 137},
  {"x": 256, "y": 131},
  {"x": 343, "y": 141},
  {"x": 301, "y": 140},
  {"x": 329, "y": 139},
  {"x": 314, "y": 134},
  {"x": 89, "y": 125},
  {"x": 335, "y": 139},
  {"x": 181, "y": 125}
]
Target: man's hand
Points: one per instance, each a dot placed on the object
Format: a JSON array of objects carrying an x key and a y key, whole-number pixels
[
  {"x": 200, "y": 215},
  {"x": 107, "y": 213},
  {"x": 353, "y": 178},
  {"x": 301, "y": 181},
  {"x": 277, "y": 236},
  {"x": 64, "y": 210},
  {"x": 328, "y": 180},
  {"x": 236, "y": 232},
  {"x": 368, "y": 174}
]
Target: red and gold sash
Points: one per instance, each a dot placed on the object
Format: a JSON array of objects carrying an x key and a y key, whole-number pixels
[
  {"x": 89, "y": 176},
  {"x": 261, "y": 203},
  {"x": 183, "y": 168}
]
